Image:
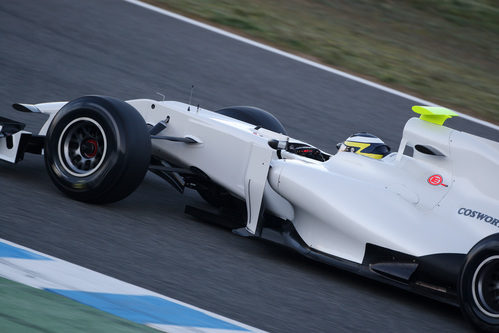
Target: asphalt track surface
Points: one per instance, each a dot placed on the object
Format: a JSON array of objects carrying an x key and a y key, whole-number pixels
[{"x": 59, "y": 50}]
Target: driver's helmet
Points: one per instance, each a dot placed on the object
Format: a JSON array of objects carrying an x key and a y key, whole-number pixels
[{"x": 366, "y": 144}]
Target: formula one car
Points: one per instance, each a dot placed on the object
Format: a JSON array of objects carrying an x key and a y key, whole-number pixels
[{"x": 426, "y": 221}]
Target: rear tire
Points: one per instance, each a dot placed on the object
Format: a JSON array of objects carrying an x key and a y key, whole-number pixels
[
  {"x": 97, "y": 149},
  {"x": 479, "y": 285},
  {"x": 254, "y": 116}
]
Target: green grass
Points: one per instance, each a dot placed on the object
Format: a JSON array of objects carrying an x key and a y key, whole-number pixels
[
  {"x": 445, "y": 51},
  {"x": 25, "y": 309}
]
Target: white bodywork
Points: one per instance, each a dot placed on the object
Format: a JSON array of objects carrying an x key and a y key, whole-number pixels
[
  {"x": 7, "y": 154},
  {"x": 339, "y": 205}
]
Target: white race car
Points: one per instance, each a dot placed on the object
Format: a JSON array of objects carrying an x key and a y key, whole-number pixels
[{"x": 425, "y": 221}]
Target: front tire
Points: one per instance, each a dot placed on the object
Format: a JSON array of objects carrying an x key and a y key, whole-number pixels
[
  {"x": 479, "y": 285},
  {"x": 97, "y": 149}
]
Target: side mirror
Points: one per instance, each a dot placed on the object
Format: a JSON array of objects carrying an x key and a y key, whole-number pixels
[{"x": 276, "y": 144}]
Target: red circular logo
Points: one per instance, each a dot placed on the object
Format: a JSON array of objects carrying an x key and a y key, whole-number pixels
[{"x": 435, "y": 180}]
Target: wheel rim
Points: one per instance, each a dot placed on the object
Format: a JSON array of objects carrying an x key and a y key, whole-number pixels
[
  {"x": 82, "y": 147},
  {"x": 486, "y": 286}
]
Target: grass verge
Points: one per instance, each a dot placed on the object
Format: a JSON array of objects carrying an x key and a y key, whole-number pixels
[
  {"x": 444, "y": 51},
  {"x": 26, "y": 309}
]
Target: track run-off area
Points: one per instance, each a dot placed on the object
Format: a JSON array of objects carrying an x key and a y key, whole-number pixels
[{"x": 57, "y": 50}]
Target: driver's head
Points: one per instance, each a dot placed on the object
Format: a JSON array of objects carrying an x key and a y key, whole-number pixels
[{"x": 365, "y": 144}]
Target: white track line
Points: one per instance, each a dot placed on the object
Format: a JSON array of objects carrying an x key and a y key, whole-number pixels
[
  {"x": 53, "y": 273},
  {"x": 302, "y": 60}
]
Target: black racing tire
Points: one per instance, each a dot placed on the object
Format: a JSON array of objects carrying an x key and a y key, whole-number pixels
[
  {"x": 254, "y": 116},
  {"x": 479, "y": 285},
  {"x": 97, "y": 149}
]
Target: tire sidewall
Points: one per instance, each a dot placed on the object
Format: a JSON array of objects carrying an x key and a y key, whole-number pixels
[
  {"x": 111, "y": 116},
  {"x": 485, "y": 249}
]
